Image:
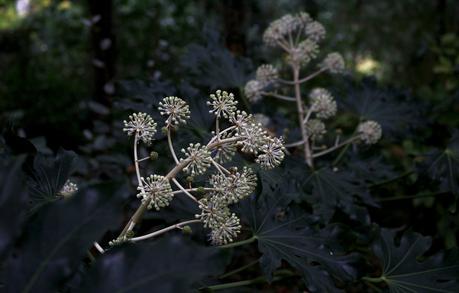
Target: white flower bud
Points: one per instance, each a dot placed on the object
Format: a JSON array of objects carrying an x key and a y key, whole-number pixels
[
  {"x": 222, "y": 103},
  {"x": 142, "y": 125},
  {"x": 316, "y": 128},
  {"x": 306, "y": 51},
  {"x": 226, "y": 232},
  {"x": 280, "y": 28},
  {"x": 267, "y": 74},
  {"x": 176, "y": 110},
  {"x": 234, "y": 187},
  {"x": 199, "y": 157},
  {"x": 252, "y": 90},
  {"x": 157, "y": 190},
  {"x": 69, "y": 189},
  {"x": 322, "y": 103},
  {"x": 272, "y": 153},
  {"x": 334, "y": 63},
  {"x": 370, "y": 132},
  {"x": 315, "y": 31}
]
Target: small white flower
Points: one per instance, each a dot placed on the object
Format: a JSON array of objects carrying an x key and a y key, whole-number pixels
[
  {"x": 370, "y": 132},
  {"x": 316, "y": 128},
  {"x": 241, "y": 119},
  {"x": 334, "y": 62},
  {"x": 142, "y": 125},
  {"x": 254, "y": 137},
  {"x": 157, "y": 190},
  {"x": 214, "y": 211},
  {"x": 280, "y": 28},
  {"x": 226, "y": 232},
  {"x": 69, "y": 189},
  {"x": 272, "y": 153},
  {"x": 252, "y": 90},
  {"x": 315, "y": 31},
  {"x": 306, "y": 51},
  {"x": 199, "y": 157},
  {"x": 176, "y": 110},
  {"x": 234, "y": 187},
  {"x": 222, "y": 103},
  {"x": 267, "y": 74},
  {"x": 322, "y": 103}
]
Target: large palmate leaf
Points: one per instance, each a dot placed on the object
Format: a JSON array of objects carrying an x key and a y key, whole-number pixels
[
  {"x": 13, "y": 199},
  {"x": 290, "y": 238},
  {"x": 332, "y": 190},
  {"x": 170, "y": 264},
  {"x": 48, "y": 176},
  {"x": 388, "y": 107},
  {"x": 402, "y": 271},
  {"x": 58, "y": 236},
  {"x": 213, "y": 65},
  {"x": 443, "y": 165}
]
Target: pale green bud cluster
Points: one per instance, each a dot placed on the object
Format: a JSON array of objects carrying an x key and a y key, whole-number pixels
[
  {"x": 141, "y": 124},
  {"x": 370, "y": 132},
  {"x": 322, "y": 103},
  {"x": 223, "y": 104},
  {"x": 199, "y": 157},
  {"x": 176, "y": 110},
  {"x": 156, "y": 190},
  {"x": 69, "y": 189}
]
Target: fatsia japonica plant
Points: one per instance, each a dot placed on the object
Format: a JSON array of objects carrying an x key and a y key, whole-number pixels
[
  {"x": 298, "y": 36},
  {"x": 234, "y": 129}
]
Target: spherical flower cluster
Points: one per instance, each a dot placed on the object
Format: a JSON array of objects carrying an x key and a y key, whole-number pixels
[
  {"x": 233, "y": 187},
  {"x": 253, "y": 89},
  {"x": 216, "y": 215},
  {"x": 226, "y": 232},
  {"x": 306, "y": 51},
  {"x": 280, "y": 29},
  {"x": 334, "y": 63},
  {"x": 316, "y": 128},
  {"x": 156, "y": 190},
  {"x": 241, "y": 119},
  {"x": 370, "y": 132},
  {"x": 222, "y": 103},
  {"x": 267, "y": 74},
  {"x": 68, "y": 189},
  {"x": 142, "y": 125},
  {"x": 322, "y": 103},
  {"x": 272, "y": 153},
  {"x": 176, "y": 110},
  {"x": 199, "y": 159},
  {"x": 214, "y": 211},
  {"x": 315, "y": 31},
  {"x": 254, "y": 137}
]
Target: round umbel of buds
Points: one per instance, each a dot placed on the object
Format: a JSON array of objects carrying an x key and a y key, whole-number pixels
[
  {"x": 199, "y": 157},
  {"x": 254, "y": 137},
  {"x": 142, "y": 125},
  {"x": 334, "y": 63},
  {"x": 272, "y": 153},
  {"x": 226, "y": 232},
  {"x": 214, "y": 211},
  {"x": 225, "y": 152},
  {"x": 69, "y": 189},
  {"x": 157, "y": 190},
  {"x": 233, "y": 187},
  {"x": 370, "y": 132},
  {"x": 316, "y": 128},
  {"x": 253, "y": 89},
  {"x": 241, "y": 119},
  {"x": 280, "y": 29},
  {"x": 322, "y": 103},
  {"x": 267, "y": 74},
  {"x": 301, "y": 55},
  {"x": 176, "y": 110},
  {"x": 315, "y": 31},
  {"x": 222, "y": 103}
]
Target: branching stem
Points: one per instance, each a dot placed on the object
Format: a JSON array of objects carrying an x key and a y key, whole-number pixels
[{"x": 162, "y": 231}]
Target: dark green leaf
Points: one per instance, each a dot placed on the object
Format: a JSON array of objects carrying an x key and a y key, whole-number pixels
[
  {"x": 13, "y": 198},
  {"x": 332, "y": 190},
  {"x": 170, "y": 264},
  {"x": 283, "y": 237},
  {"x": 57, "y": 238},
  {"x": 49, "y": 175},
  {"x": 403, "y": 272}
]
